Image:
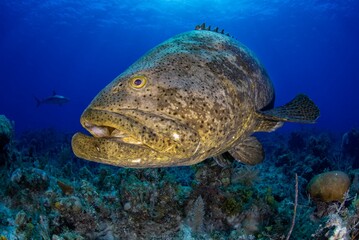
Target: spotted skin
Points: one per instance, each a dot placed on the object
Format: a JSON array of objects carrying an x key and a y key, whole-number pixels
[{"x": 201, "y": 97}]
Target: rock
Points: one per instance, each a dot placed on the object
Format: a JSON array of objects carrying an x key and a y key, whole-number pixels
[
  {"x": 329, "y": 186},
  {"x": 55, "y": 237},
  {"x": 21, "y": 218},
  {"x": 127, "y": 206},
  {"x": 70, "y": 205},
  {"x": 16, "y": 176}
]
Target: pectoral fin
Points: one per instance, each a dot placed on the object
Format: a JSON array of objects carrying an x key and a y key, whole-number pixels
[
  {"x": 224, "y": 160},
  {"x": 249, "y": 151},
  {"x": 301, "y": 110}
]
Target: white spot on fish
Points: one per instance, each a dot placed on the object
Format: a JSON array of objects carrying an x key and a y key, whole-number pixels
[
  {"x": 175, "y": 136},
  {"x": 136, "y": 160}
]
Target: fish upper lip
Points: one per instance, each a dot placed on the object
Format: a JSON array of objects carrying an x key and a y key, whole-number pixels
[{"x": 117, "y": 132}]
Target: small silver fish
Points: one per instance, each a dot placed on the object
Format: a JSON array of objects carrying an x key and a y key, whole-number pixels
[{"x": 54, "y": 99}]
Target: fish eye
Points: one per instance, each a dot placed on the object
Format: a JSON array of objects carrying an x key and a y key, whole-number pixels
[{"x": 138, "y": 82}]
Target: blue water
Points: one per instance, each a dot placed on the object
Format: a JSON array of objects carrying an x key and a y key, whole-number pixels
[{"x": 77, "y": 47}]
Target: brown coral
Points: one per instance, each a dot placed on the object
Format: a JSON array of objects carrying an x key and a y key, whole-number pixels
[
  {"x": 67, "y": 189},
  {"x": 329, "y": 186}
]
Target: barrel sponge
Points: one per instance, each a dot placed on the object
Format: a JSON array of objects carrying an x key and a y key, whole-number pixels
[
  {"x": 6, "y": 131},
  {"x": 329, "y": 186}
]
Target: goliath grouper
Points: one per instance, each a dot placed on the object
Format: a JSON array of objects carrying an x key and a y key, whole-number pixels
[{"x": 197, "y": 95}]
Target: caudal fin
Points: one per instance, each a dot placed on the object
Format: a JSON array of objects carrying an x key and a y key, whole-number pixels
[
  {"x": 38, "y": 102},
  {"x": 301, "y": 110}
]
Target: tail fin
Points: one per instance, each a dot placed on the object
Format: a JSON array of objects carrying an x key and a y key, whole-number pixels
[
  {"x": 38, "y": 102},
  {"x": 301, "y": 109}
]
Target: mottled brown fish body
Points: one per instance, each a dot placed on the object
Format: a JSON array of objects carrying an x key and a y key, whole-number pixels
[{"x": 195, "y": 96}]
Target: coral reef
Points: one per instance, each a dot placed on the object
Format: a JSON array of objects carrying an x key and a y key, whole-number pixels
[
  {"x": 6, "y": 135},
  {"x": 6, "y": 131},
  {"x": 350, "y": 146},
  {"x": 47, "y": 193}
]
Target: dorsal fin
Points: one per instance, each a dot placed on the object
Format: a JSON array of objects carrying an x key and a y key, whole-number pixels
[
  {"x": 203, "y": 27},
  {"x": 200, "y": 27}
]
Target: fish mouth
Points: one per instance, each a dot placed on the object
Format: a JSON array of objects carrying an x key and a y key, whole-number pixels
[
  {"x": 134, "y": 138},
  {"x": 111, "y": 133},
  {"x": 141, "y": 129},
  {"x": 114, "y": 126}
]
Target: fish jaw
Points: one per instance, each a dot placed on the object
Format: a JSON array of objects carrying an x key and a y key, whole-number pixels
[
  {"x": 114, "y": 153},
  {"x": 126, "y": 139}
]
